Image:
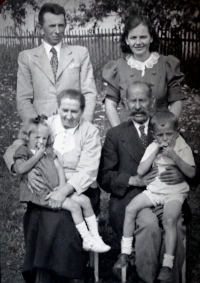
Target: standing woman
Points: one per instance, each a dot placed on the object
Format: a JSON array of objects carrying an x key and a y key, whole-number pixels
[{"x": 141, "y": 62}]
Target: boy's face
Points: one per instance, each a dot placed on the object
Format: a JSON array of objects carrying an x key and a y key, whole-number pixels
[
  {"x": 38, "y": 137},
  {"x": 165, "y": 135}
]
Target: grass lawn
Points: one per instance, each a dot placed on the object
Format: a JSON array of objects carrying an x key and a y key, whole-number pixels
[{"x": 12, "y": 243}]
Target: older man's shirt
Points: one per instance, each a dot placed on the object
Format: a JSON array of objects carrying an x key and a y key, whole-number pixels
[{"x": 78, "y": 150}]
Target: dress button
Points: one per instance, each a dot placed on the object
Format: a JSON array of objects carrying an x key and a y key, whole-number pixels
[{"x": 153, "y": 73}]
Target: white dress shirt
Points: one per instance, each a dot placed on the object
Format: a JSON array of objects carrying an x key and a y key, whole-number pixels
[
  {"x": 146, "y": 124},
  {"x": 48, "y": 47}
]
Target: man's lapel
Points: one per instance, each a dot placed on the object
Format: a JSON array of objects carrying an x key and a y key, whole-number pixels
[
  {"x": 132, "y": 142},
  {"x": 65, "y": 58},
  {"x": 41, "y": 60}
]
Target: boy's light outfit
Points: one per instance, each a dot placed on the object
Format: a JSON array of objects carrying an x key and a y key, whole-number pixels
[{"x": 159, "y": 192}]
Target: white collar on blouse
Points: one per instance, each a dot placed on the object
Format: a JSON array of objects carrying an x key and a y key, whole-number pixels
[
  {"x": 60, "y": 129},
  {"x": 152, "y": 60}
]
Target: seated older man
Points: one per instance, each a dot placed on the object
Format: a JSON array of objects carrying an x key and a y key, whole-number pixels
[{"x": 122, "y": 151}]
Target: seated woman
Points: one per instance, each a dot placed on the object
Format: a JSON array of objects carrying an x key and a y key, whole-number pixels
[{"x": 53, "y": 246}]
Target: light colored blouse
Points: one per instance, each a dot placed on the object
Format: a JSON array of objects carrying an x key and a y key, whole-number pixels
[{"x": 78, "y": 150}]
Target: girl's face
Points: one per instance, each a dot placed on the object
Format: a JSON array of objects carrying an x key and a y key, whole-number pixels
[
  {"x": 139, "y": 41},
  {"x": 38, "y": 137}
]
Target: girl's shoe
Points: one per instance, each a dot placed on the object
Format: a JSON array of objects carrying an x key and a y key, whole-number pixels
[{"x": 96, "y": 246}]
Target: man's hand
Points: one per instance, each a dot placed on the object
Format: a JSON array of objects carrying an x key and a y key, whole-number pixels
[
  {"x": 172, "y": 176},
  {"x": 138, "y": 181},
  {"x": 35, "y": 181},
  {"x": 151, "y": 175}
]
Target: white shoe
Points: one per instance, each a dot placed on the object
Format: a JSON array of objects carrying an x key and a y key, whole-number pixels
[
  {"x": 96, "y": 246},
  {"x": 99, "y": 240}
]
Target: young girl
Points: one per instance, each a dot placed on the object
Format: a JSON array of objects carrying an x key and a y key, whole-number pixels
[
  {"x": 169, "y": 148},
  {"x": 37, "y": 153}
]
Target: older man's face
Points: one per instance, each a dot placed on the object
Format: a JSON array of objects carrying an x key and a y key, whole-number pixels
[
  {"x": 53, "y": 28},
  {"x": 139, "y": 103}
]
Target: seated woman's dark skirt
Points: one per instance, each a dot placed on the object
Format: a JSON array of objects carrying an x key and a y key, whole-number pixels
[{"x": 52, "y": 241}]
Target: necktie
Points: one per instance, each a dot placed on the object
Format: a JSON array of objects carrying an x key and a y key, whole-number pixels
[
  {"x": 54, "y": 61},
  {"x": 143, "y": 136}
]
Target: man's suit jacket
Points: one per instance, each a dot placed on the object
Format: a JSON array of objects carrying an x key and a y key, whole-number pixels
[
  {"x": 36, "y": 88},
  {"x": 121, "y": 155}
]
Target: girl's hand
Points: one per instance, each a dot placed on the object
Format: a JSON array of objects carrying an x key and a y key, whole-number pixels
[{"x": 40, "y": 151}]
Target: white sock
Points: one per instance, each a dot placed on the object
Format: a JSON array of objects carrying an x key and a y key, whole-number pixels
[
  {"x": 83, "y": 230},
  {"x": 126, "y": 245},
  {"x": 168, "y": 260},
  {"x": 92, "y": 225}
]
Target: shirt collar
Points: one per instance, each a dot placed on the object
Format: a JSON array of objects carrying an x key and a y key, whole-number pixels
[
  {"x": 48, "y": 47},
  {"x": 137, "y": 125},
  {"x": 60, "y": 129}
]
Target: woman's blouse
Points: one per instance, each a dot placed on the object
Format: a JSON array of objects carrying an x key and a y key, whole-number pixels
[
  {"x": 161, "y": 72},
  {"x": 78, "y": 150}
]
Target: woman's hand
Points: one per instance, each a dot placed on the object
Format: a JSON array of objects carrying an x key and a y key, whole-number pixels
[
  {"x": 58, "y": 196},
  {"x": 35, "y": 181},
  {"x": 172, "y": 176}
]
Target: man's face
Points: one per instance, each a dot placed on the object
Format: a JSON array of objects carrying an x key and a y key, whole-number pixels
[
  {"x": 53, "y": 28},
  {"x": 139, "y": 103}
]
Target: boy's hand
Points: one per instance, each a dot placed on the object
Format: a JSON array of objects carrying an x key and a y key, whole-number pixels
[{"x": 169, "y": 151}]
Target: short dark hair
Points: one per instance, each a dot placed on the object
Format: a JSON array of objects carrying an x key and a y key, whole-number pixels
[
  {"x": 134, "y": 21},
  {"x": 161, "y": 118},
  {"x": 142, "y": 84},
  {"x": 50, "y": 8},
  {"x": 72, "y": 94}
]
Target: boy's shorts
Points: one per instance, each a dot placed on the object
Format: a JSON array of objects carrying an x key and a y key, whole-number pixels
[{"x": 161, "y": 199}]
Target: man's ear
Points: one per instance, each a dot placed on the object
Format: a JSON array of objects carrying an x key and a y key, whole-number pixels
[
  {"x": 153, "y": 135},
  {"x": 126, "y": 103},
  {"x": 39, "y": 28}
]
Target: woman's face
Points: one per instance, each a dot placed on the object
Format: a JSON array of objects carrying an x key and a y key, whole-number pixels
[
  {"x": 139, "y": 41},
  {"x": 70, "y": 112}
]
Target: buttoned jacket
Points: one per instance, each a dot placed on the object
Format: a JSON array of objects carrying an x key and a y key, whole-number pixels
[{"x": 37, "y": 89}]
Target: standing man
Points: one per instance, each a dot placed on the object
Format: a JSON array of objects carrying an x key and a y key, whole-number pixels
[
  {"x": 46, "y": 70},
  {"x": 122, "y": 151}
]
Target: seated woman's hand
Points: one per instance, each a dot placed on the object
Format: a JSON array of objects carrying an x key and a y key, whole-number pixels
[
  {"x": 172, "y": 176},
  {"x": 58, "y": 196},
  {"x": 35, "y": 181}
]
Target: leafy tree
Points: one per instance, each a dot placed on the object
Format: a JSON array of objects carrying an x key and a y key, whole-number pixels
[
  {"x": 161, "y": 12},
  {"x": 17, "y": 9}
]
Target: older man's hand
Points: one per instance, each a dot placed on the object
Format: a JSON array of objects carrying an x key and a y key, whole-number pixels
[
  {"x": 172, "y": 176},
  {"x": 143, "y": 181}
]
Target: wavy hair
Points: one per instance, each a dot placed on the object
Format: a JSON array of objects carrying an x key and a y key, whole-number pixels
[{"x": 134, "y": 21}]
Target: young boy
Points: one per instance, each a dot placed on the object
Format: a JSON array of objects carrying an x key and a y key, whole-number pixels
[{"x": 169, "y": 148}]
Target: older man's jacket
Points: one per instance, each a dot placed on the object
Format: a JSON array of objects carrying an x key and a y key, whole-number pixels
[{"x": 121, "y": 155}]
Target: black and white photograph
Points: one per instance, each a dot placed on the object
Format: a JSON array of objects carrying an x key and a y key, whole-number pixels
[{"x": 99, "y": 141}]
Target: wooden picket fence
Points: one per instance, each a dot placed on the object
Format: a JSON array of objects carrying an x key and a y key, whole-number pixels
[{"x": 105, "y": 43}]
